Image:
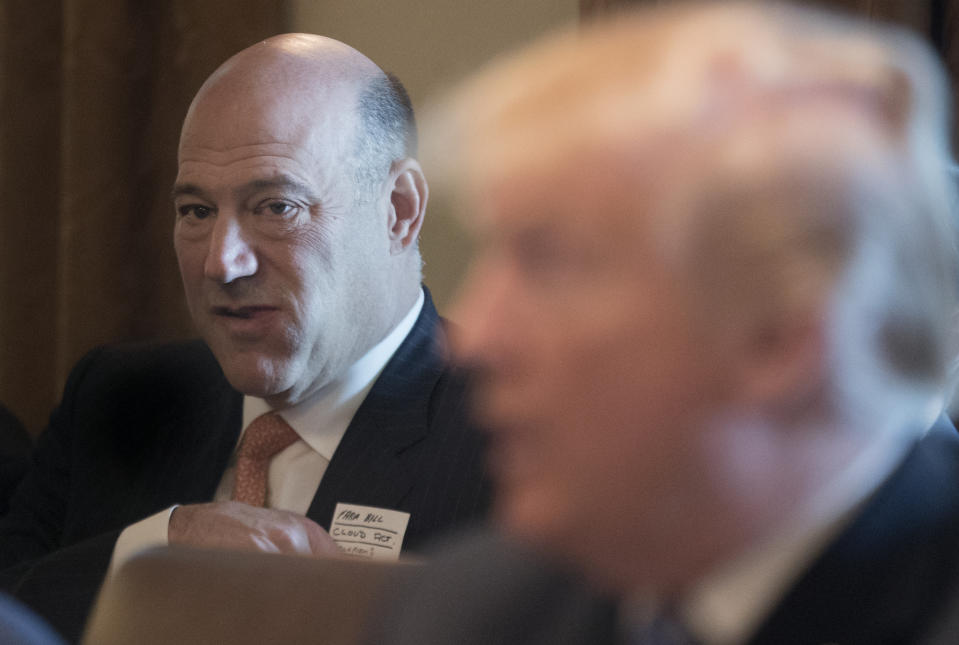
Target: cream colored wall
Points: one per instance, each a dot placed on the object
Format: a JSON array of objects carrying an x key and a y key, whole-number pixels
[{"x": 430, "y": 44}]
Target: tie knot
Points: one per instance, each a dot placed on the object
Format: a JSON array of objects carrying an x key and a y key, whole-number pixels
[{"x": 266, "y": 436}]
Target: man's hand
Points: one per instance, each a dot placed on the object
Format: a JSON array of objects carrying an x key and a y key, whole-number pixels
[{"x": 232, "y": 525}]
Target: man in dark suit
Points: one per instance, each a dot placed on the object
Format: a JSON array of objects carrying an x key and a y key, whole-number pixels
[
  {"x": 298, "y": 207},
  {"x": 712, "y": 316}
]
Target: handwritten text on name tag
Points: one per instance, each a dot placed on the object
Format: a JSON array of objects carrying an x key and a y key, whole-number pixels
[{"x": 368, "y": 531}]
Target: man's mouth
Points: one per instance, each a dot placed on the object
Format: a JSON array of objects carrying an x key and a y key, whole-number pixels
[{"x": 242, "y": 312}]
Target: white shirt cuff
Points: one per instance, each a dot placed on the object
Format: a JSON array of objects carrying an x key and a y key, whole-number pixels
[{"x": 146, "y": 533}]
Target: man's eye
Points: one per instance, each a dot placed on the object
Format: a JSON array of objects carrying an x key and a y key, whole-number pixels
[
  {"x": 277, "y": 208},
  {"x": 196, "y": 210}
]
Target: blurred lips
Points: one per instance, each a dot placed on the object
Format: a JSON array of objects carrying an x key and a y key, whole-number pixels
[{"x": 247, "y": 320}]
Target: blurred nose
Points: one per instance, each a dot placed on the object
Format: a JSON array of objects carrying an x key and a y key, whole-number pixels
[{"x": 231, "y": 255}]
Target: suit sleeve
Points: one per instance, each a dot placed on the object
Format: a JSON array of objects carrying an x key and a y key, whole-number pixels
[
  {"x": 34, "y": 525},
  {"x": 58, "y": 583}
]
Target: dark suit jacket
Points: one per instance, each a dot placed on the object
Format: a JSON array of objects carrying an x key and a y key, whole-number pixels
[
  {"x": 143, "y": 427},
  {"x": 15, "y": 448},
  {"x": 890, "y": 578}
]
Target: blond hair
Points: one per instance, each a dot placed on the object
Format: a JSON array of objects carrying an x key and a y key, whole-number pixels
[{"x": 800, "y": 160}]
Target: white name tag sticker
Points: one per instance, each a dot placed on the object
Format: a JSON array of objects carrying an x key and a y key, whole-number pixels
[{"x": 369, "y": 532}]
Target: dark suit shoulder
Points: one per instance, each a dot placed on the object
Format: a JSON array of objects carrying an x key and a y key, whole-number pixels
[
  {"x": 16, "y": 447},
  {"x": 145, "y": 370},
  {"x": 482, "y": 589},
  {"x": 121, "y": 399},
  {"x": 888, "y": 576},
  {"x": 140, "y": 426}
]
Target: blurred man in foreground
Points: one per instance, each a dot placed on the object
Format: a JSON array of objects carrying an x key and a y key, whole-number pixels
[
  {"x": 321, "y": 388},
  {"x": 712, "y": 316}
]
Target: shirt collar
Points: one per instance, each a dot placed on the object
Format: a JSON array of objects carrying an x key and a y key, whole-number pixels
[{"x": 322, "y": 418}]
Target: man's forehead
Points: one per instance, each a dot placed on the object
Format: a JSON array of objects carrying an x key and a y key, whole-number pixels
[
  {"x": 234, "y": 116},
  {"x": 590, "y": 195},
  {"x": 296, "y": 90},
  {"x": 295, "y": 58},
  {"x": 575, "y": 173}
]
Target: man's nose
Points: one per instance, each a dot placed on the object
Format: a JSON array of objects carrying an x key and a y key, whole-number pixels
[{"x": 231, "y": 255}]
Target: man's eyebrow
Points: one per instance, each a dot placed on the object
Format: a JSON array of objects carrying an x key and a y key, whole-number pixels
[
  {"x": 284, "y": 182},
  {"x": 186, "y": 189}
]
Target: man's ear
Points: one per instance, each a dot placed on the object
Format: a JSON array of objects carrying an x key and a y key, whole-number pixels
[
  {"x": 782, "y": 362},
  {"x": 408, "y": 196}
]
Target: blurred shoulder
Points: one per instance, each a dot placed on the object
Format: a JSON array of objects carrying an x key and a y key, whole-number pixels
[
  {"x": 152, "y": 359},
  {"x": 482, "y": 588}
]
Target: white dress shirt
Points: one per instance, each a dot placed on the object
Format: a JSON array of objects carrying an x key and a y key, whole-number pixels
[{"x": 294, "y": 474}]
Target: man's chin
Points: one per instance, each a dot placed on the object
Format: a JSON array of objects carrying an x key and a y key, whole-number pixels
[
  {"x": 550, "y": 528},
  {"x": 252, "y": 385},
  {"x": 254, "y": 375}
]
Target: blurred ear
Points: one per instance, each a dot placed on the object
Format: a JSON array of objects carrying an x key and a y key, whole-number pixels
[
  {"x": 782, "y": 362},
  {"x": 408, "y": 197}
]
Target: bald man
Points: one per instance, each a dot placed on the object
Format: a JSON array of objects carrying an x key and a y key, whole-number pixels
[{"x": 298, "y": 205}]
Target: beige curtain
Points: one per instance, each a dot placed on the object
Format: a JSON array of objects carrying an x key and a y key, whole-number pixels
[{"x": 92, "y": 93}]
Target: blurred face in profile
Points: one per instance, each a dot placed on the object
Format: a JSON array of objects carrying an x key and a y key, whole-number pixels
[{"x": 593, "y": 372}]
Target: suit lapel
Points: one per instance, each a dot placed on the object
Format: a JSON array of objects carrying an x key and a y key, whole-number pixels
[
  {"x": 370, "y": 466},
  {"x": 886, "y": 575}
]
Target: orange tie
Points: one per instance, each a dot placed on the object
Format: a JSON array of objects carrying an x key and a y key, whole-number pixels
[{"x": 266, "y": 436}]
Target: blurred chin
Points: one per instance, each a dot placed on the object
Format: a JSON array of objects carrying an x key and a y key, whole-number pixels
[
  {"x": 558, "y": 530},
  {"x": 532, "y": 515}
]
